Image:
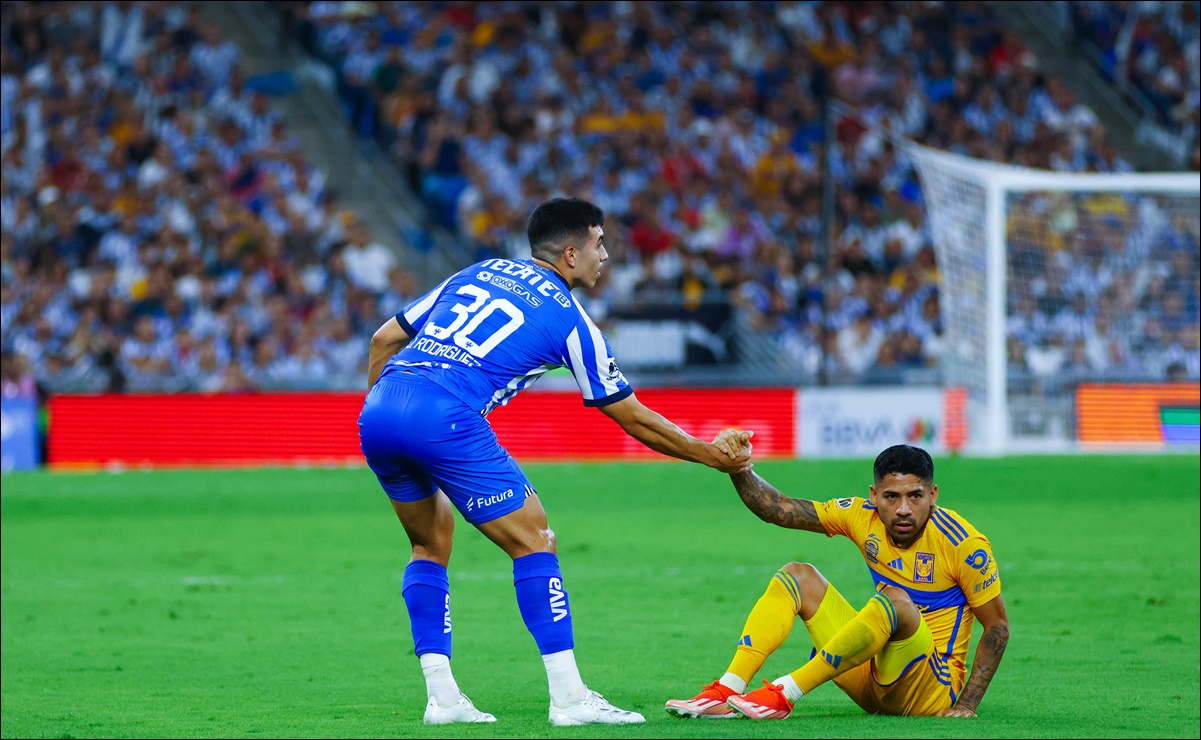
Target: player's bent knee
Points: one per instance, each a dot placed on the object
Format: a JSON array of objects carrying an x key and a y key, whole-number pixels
[
  {"x": 805, "y": 574},
  {"x": 899, "y": 598},
  {"x": 908, "y": 616},
  {"x": 813, "y": 586}
]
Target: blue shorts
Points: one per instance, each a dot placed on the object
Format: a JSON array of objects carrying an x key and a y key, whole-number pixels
[{"x": 417, "y": 438}]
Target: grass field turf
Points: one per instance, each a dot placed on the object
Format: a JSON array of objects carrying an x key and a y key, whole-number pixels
[{"x": 267, "y": 602}]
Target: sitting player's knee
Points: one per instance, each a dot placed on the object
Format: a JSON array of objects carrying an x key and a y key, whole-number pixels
[
  {"x": 804, "y": 573},
  {"x": 898, "y": 597},
  {"x": 908, "y": 616}
]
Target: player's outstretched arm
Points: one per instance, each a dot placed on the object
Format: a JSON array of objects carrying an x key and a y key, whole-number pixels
[
  {"x": 774, "y": 507},
  {"x": 387, "y": 341},
  {"x": 661, "y": 435},
  {"x": 995, "y": 622},
  {"x": 762, "y": 497}
]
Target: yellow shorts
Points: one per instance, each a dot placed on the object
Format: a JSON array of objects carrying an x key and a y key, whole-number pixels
[{"x": 907, "y": 677}]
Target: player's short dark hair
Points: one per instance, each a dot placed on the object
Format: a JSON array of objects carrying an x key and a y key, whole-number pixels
[
  {"x": 904, "y": 460},
  {"x": 558, "y": 222}
]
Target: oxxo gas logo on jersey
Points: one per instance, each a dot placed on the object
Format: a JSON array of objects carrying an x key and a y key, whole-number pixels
[{"x": 510, "y": 285}]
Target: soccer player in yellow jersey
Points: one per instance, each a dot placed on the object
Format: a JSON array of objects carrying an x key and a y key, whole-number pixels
[{"x": 904, "y": 652}]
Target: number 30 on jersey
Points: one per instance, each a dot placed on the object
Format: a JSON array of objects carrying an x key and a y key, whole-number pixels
[{"x": 474, "y": 314}]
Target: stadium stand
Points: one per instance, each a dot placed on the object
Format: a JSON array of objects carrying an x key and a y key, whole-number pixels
[
  {"x": 1156, "y": 48},
  {"x": 696, "y": 126},
  {"x": 162, "y": 231}
]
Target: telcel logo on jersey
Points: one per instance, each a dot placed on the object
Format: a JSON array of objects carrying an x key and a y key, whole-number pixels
[
  {"x": 987, "y": 582},
  {"x": 487, "y": 501}
]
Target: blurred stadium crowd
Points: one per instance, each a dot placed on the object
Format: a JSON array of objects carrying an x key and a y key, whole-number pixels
[
  {"x": 161, "y": 228},
  {"x": 1155, "y": 47},
  {"x": 163, "y": 231}
]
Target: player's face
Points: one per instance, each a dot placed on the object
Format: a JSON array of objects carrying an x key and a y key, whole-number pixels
[
  {"x": 905, "y": 503},
  {"x": 588, "y": 259}
]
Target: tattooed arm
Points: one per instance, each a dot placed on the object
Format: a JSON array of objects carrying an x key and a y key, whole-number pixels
[
  {"x": 762, "y": 497},
  {"x": 995, "y": 623},
  {"x": 774, "y": 507}
]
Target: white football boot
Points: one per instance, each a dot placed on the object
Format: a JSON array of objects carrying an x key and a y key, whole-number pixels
[
  {"x": 593, "y": 709},
  {"x": 461, "y": 711}
]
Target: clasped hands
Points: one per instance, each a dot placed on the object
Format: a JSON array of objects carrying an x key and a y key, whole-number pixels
[{"x": 736, "y": 445}]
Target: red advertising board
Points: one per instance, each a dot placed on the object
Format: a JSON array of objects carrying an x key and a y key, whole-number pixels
[
  {"x": 556, "y": 425},
  {"x": 321, "y": 428},
  {"x": 203, "y": 429}
]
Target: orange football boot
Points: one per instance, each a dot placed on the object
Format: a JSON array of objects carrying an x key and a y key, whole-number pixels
[
  {"x": 768, "y": 702},
  {"x": 709, "y": 704}
]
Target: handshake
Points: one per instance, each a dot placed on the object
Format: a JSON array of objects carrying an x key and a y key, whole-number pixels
[{"x": 736, "y": 446}]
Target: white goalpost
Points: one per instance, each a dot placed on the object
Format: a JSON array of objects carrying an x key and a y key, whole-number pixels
[{"x": 1051, "y": 279}]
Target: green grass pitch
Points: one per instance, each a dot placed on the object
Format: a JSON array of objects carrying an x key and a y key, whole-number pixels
[{"x": 267, "y": 602}]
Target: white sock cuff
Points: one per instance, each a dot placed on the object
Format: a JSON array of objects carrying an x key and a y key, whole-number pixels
[
  {"x": 439, "y": 680},
  {"x": 564, "y": 659},
  {"x": 791, "y": 690},
  {"x": 733, "y": 681},
  {"x": 566, "y": 686},
  {"x": 434, "y": 660}
]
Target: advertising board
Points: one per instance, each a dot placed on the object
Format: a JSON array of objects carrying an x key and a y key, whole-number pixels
[
  {"x": 180, "y": 430},
  {"x": 860, "y": 422},
  {"x": 1155, "y": 416}
]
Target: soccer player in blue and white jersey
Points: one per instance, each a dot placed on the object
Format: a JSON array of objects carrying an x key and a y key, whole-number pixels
[{"x": 436, "y": 370}]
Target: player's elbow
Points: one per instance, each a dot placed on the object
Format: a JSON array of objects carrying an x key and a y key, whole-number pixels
[
  {"x": 378, "y": 340},
  {"x": 388, "y": 337}
]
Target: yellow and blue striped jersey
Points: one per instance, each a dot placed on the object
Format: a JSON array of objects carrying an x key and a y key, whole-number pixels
[{"x": 947, "y": 571}]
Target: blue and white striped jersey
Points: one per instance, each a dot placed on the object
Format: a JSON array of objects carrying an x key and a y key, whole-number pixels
[{"x": 494, "y": 328}]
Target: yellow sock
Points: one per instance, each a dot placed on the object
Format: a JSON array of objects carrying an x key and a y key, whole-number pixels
[
  {"x": 768, "y": 625},
  {"x": 853, "y": 645}
]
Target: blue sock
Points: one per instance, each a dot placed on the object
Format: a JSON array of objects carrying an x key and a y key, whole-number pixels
[
  {"x": 426, "y": 593},
  {"x": 543, "y": 601}
]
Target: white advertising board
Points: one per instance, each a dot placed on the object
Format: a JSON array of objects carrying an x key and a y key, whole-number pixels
[{"x": 861, "y": 422}]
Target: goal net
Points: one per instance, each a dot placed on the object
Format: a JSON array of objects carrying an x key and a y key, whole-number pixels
[{"x": 1050, "y": 280}]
